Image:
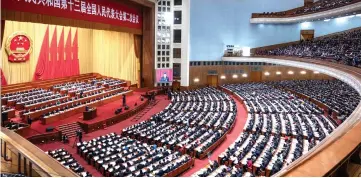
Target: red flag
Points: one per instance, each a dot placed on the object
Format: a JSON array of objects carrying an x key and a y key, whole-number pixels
[
  {"x": 3, "y": 79},
  {"x": 61, "y": 61},
  {"x": 53, "y": 57},
  {"x": 75, "y": 54},
  {"x": 43, "y": 59},
  {"x": 68, "y": 57}
]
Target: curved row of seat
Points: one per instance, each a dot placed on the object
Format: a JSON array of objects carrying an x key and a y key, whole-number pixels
[
  {"x": 115, "y": 155},
  {"x": 335, "y": 94},
  {"x": 67, "y": 160},
  {"x": 279, "y": 129},
  {"x": 342, "y": 48}
]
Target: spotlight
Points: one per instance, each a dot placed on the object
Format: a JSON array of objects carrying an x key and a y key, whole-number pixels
[
  {"x": 278, "y": 73},
  {"x": 266, "y": 74},
  {"x": 234, "y": 76},
  {"x": 316, "y": 72},
  {"x": 196, "y": 80},
  {"x": 244, "y": 75},
  {"x": 303, "y": 72},
  {"x": 223, "y": 77}
]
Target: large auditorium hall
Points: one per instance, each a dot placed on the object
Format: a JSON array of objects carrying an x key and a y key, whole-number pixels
[{"x": 180, "y": 88}]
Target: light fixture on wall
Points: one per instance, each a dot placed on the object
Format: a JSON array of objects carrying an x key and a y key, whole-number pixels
[
  {"x": 196, "y": 80},
  {"x": 316, "y": 72},
  {"x": 290, "y": 72},
  {"x": 234, "y": 76},
  {"x": 244, "y": 75},
  {"x": 223, "y": 77},
  {"x": 305, "y": 25},
  {"x": 278, "y": 73},
  {"x": 266, "y": 73},
  {"x": 303, "y": 72},
  {"x": 326, "y": 20}
]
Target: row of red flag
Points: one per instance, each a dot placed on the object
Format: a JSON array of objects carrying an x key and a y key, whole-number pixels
[{"x": 56, "y": 59}]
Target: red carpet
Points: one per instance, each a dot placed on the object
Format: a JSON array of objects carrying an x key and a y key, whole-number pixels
[
  {"x": 103, "y": 112},
  {"x": 231, "y": 137},
  {"x": 114, "y": 128}
]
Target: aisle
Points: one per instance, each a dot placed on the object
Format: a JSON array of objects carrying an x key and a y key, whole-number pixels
[{"x": 231, "y": 137}]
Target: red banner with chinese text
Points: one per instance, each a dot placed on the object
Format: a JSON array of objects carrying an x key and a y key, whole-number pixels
[{"x": 101, "y": 11}]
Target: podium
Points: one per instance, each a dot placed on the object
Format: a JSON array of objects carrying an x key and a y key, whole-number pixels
[{"x": 90, "y": 114}]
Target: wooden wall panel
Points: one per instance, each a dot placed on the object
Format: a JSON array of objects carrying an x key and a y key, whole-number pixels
[
  {"x": 148, "y": 47},
  {"x": 201, "y": 73}
]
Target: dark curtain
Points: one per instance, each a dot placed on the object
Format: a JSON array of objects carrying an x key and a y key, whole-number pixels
[
  {"x": 137, "y": 45},
  {"x": 2, "y": 31}
]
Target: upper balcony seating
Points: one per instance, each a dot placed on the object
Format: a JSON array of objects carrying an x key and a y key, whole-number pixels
[
  {"x": 343, "y": 48},
  {"x": 319, "y": 6}
]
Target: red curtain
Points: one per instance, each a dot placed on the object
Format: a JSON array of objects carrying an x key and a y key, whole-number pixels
[
  {"x": 2, "y": 31},
  {"x": 43, "y": 60},
  {"x": 3, "y": 79}
]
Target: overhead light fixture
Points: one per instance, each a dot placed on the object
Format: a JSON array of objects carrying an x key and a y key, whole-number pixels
[
  {"x": 316, "y": 72},
  {"x": 303, "y": 72},
  {"x": 326, "y": 20},
  {"x": 278, "y": 73},
  {"x": 290, "y": 72},
  {"x": 244, "y": 75},
  {"x": 223, "y": 77},
  {"x": 266, "y": 73},
  {"x": 305, "y": 24},
  {"x": 234, "y": 76},
  {"x": 196, "y": 80},
  {"x": 358, "y": 15}
]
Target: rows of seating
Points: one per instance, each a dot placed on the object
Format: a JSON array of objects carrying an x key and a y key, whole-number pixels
[
  {"x": 182, "y": 125},
  {"x": 319, "y": 6},
  {"x": 21, "y": 95},
  {"x": 67, "y": 160},
  {"x": 335, "y": 94},
  {"x": 107, "y": 81},
  {"x": 279, "y": 129},
  {"x": 342, "y": 48},
  {"x": 14, "y": 126},
  {"x": 68, "y": 103},
  {"x": 213, "y": 169},
  {"x": 118, "y": 156},
  {"x": 11, "y": 175}
]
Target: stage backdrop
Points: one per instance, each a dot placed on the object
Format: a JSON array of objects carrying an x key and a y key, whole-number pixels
[{"x": 60, "y": 51}]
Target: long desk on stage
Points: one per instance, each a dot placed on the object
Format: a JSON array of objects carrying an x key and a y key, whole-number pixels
[
  {"x": 74, "y": 111},
  {"x": 99, "y": 123}
]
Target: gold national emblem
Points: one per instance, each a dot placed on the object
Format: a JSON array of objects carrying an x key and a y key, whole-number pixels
[{"x": 19, "y": 47}]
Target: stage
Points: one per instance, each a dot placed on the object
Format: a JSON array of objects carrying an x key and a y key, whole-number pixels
[{"x": 104, "y": 114}]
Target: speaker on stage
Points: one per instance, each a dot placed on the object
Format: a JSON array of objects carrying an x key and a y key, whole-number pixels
[{"x": 49, "y": 129}]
